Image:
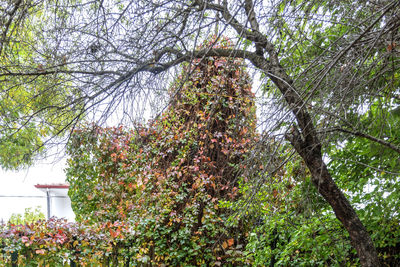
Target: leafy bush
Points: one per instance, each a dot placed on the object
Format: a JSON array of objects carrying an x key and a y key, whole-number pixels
[{"x": 57, "y": 241}]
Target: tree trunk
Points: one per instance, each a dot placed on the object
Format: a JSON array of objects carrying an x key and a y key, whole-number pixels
[
  {"x": 359, "y": 236},
  {"x": 305, "y": 140},
  {"x": 307, "y": 144}
]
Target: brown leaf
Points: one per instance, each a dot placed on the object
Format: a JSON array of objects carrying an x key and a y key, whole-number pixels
[{"x": 391, "y": 46}]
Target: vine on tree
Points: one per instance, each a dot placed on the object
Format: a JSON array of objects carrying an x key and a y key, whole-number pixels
[{"x": 168, "y": 179}]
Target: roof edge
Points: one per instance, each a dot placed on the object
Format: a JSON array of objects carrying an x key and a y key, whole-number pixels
[{"x": 50, "y": 186}]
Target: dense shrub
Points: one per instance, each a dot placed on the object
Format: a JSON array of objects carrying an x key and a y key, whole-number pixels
[{"x": 56, "y": 242}]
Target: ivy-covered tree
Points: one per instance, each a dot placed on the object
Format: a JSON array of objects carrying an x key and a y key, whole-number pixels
[{"x": 170, "y": 178}]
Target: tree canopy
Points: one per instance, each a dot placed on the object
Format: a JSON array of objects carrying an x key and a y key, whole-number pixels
[
  {"x": 31, "y": 111},
  {"x": 328, "y": 71}
]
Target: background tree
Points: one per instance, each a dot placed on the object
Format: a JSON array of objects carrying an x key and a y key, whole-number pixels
[
  {"x": 31, "y": 111},
  {"x": 324, "y": 66}
]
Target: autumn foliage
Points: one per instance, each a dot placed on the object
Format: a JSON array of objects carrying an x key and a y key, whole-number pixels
[
  {"x": 56, "y": 242},
  {"x": 168, "y": 179}
]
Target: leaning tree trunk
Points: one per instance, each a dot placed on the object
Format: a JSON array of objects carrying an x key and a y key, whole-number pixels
[
  {"x": 322, "y": 179},
  {"x": 304, "y": 139},
  {"x": 303, "y": 136}
]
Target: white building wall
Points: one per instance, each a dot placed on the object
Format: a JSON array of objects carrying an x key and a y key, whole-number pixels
[
  {"x": 22, "y": 183},
  {"x": 60, "y": 205}
]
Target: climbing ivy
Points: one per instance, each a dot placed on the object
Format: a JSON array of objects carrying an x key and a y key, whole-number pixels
[{"x": 168, "y": 178}]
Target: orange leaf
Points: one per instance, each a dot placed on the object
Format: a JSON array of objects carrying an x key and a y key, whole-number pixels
[
  {"x": 230, "y": 242},
  {"x": 113, "y": 233}
]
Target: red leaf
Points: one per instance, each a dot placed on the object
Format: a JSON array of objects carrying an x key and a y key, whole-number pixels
[{"x": 230, "y": 242}]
